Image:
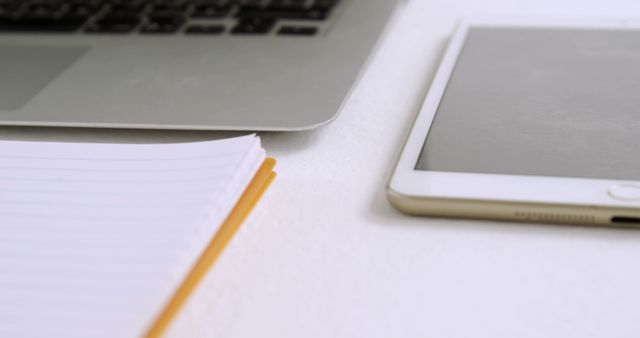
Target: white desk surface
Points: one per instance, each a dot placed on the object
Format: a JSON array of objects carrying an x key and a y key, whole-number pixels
[{"x": 325, "y": 255}]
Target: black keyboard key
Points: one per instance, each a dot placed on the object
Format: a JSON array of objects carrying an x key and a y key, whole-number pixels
[
  {"x": 163, "y": 22},
  {"x": 298, "y": 30},
  {"x": 40, "y": 9},
  {"x": 131, "y": 5},
  {"x": 254, "y": 26},
  {"x": 218, "y": 3},
  {"x": 166, "y": 2},
  {"x": 38, "y": 24},
  {"x": 133, "y": 9},
  {"x": 119, "y": 17},
  {"x": 288, "y": 9},
  {"x": 290, "y": 14},
  {"x": 41, "y": 2},
  {"x": 159, "y": 28},
  {"x": 248, "y": 3},
  {"x": 115, "y": 22},
  {"x": 168, "y": 17},
  {"x": 325, "y": 4},
  {"x": 6, "y": 12},
  {"x": 317, "y": 14},
  {"x": 173, "y": 7},
  {"x": 251, "y": 7},
  {"x": 210, "y": 12},
  {"x": 93, "y": 5},
  {"x": 113, "y": 28},
  {"x": 205, "y": 29},
  {"x": 287, "y": 4},
  {"x": 9, "y": 6},
  {"x": 24, "y": 15},
  {"x": 80, "y": 12}
]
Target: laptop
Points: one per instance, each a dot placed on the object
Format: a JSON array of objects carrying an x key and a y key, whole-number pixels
[{"x": 183, "y": 64}]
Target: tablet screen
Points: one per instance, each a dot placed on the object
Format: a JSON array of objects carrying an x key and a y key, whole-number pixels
[{"x": 543, "y": 102}]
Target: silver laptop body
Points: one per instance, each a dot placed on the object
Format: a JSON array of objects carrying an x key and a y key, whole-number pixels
[{"x": 225, "y": 81}]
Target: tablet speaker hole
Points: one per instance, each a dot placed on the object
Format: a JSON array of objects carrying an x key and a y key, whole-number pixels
[
  {"x": 625, "y": 220},
  {"x": 555, "y": 218}
]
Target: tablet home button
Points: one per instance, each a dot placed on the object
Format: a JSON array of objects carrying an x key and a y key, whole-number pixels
[{"x": 625, "y": 192}]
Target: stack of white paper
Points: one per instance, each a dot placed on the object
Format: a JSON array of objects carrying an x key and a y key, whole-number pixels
[{"x": 95, "y": 238}]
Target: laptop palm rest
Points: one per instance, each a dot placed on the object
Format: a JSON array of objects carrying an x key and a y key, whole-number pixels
[{"x": 27, "y": 69}]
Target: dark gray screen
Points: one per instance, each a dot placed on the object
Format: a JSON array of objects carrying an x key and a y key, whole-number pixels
[{"x": 544, "y": 102}]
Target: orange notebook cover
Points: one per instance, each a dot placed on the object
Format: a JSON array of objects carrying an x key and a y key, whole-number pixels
[{"x": 247, "y": 201}]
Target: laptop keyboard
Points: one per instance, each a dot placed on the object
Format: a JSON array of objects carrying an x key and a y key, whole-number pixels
[{"x": 191, "y": 17}]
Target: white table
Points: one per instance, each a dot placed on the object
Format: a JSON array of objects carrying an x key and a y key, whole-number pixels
[{"x": 324, "y": 255}]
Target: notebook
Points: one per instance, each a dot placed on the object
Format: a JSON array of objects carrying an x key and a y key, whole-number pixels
[{"x": 108, "y": 240}]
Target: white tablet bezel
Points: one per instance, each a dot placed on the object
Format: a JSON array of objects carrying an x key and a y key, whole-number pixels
[{"x": 407, "y": 181}]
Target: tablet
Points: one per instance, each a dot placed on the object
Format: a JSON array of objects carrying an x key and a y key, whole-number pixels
[{"x": 529, "y": 121}]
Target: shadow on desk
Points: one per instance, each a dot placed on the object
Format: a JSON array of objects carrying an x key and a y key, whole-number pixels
[{"x": 278, "y": 141}]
